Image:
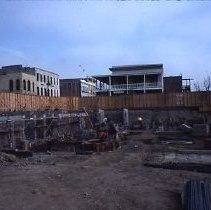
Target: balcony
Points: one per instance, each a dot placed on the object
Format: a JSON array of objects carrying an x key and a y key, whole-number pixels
[{"x": 135, "y": 86}]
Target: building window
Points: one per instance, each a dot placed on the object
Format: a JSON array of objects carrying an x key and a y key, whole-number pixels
[
  {"x": 54, "y": 92},
  {"x": 24, "y": 84},
  {"x": 28, "y": 85},
  {"x": 44, "y": 78},
  {"x": 40, "y": 77},
  {"x": 17, "y": 84},
  {"x": 45, "y": 92},
  {"x": 51, "y": 81},
  {"x": 11, "y": 85},
  {"x": 38, "y": 91},
  {"x": 48, "y": 93},
  {"x": 57, "y": 93},
  {"x": 48, "y": 80},
  {"x": 54, "y": 81},
  {"x": 51, "y": 92},
  {"x": 41, "y": 90},
  {"x": 37, "y": 77},
  {"x": 33, "y": 86}
]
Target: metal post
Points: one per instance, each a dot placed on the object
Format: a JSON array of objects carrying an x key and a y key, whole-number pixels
[
  {"x": 144, "y": 84},
  {"x": 44, "y": 126},
  {"x": 162, "y": 82},
  {"x": 109, "y": 85},
  {"x": 35, "y": 128},
  {"x": 127, "y": 83}
]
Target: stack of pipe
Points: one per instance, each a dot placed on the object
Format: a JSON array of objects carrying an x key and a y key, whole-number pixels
[{"x": 197, "y": 195}]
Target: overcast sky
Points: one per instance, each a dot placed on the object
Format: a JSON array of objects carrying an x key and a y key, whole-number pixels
[{"x": 69, "y": 36}]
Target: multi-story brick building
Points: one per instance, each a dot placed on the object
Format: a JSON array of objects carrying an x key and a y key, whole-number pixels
[
  {"x": 78, "y": 87},
  {"x": 29, "y": 80}
]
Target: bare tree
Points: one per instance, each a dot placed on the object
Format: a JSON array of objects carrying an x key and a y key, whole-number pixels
[
  {"x": 197, "y": 86},
  {"x": 207, "y": 83}
]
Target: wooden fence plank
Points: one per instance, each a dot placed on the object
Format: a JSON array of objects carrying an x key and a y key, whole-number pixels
[{"x": 24, "y": 102}]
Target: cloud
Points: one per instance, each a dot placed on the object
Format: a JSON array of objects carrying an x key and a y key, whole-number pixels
[{"x": 63, "y": 35}]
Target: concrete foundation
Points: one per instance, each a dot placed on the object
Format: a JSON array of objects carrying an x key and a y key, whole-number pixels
[
  {"x": 22, "y": 129},
  {"x": 26, "y": 129},
  {"x": 155, "y": 118}
]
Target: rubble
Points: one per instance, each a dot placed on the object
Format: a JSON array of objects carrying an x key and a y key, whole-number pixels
[
  {"x": 200, "y": 130},
  {"x": 5, "y": 158}
]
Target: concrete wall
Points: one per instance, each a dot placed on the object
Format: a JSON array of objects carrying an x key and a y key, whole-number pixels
[
  {"x": 47, "y": 82},
  {"x": 157, "y": 117},
  {"x": 35, "y": 128},
  {"x": 5, "y": 80},
  {"x": 28, "y": 78}
]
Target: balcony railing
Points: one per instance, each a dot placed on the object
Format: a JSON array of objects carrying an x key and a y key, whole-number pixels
[{"x": 134, "y": 86}]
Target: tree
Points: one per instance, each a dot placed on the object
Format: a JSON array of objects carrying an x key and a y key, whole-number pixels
[
  {"x": 207, "y": 83},
  {"x": 197, "y": 86}
]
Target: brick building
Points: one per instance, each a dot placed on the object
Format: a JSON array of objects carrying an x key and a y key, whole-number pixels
[{"x": 80, "y": 87}]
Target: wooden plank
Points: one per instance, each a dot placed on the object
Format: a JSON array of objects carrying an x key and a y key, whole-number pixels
[
  {"x": 2, "y": 107},
  {"x": 21, "y": 102}
]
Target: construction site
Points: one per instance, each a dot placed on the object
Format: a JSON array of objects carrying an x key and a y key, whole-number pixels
[{"x": 146, "y": 151}]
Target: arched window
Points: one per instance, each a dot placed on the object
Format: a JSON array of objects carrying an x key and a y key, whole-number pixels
[
  {"x": 28, "y": 85},
  {"x": 51, "y": 92},
  {"x": 38, "y": 91},
  {"x": 45, "y": 92},
  {"x": 24, "y": 84},
  {"x": 17, "y": 84},
  {"x": 11, "y": 85},
  {"x": 48, "y": 92},
  {"x": 41, "y": 91},
  {"x": 33, "y": 86}
]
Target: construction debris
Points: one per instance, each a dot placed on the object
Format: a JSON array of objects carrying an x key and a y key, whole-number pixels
[
  {"x": 202, "y": 168},
  {"x": 18, "y": 153},
  {"x": 200, "y": 130},
  {"x": 4, "y": 158}
]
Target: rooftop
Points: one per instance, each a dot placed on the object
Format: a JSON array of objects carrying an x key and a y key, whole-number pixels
[
  {"x": 16, "y": 69},
  {"x": 21, "y": 68},
  {"x": 136, "y": 67}
]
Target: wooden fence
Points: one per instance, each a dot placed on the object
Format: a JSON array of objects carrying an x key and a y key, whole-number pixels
[
  {"x": 153, "y": 100},
  {"x": 23, "y": 102}
]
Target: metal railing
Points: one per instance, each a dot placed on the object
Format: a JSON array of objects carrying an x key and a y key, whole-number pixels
[{"x": 134, "y": 86}]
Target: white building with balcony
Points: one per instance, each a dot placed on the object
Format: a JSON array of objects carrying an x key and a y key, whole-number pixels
[{"x": 131, "y": 79}]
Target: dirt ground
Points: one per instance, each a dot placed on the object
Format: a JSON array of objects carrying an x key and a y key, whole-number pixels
[{"x": 105, "y": 181}]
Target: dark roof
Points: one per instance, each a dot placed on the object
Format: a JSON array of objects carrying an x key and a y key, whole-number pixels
[
  {"x": 20, "y": 68},
  {"x": 16, "y": 69},
  {"x": 69, "y": 80},
  {"x": 136, "y": 67},
  {"x": 12, "y": 67}
]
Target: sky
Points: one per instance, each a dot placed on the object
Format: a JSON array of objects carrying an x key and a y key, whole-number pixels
[{"x": 85, "y": 38}]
